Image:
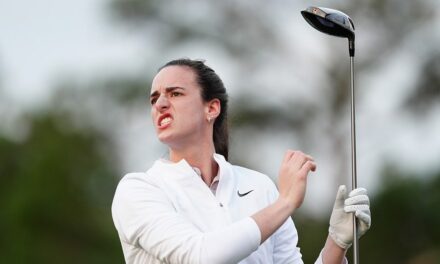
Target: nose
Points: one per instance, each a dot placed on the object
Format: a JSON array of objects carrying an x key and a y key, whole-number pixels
[{"x": 162, "y": 103}]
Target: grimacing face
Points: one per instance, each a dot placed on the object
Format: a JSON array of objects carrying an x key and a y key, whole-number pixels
[{"x": 177, "y": 109}]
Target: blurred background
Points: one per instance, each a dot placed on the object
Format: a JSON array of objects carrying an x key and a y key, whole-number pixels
[{"x": 74, "y": 114}]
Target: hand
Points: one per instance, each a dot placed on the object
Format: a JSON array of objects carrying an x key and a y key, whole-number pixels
[
  {"x": 292, "y": 179},
  {"x": 341, "y": 220}
]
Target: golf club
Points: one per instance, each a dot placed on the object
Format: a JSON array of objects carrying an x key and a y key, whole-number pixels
[{"x": 336, "y": 23}]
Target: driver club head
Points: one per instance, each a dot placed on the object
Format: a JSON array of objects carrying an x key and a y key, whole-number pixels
[{"x": 330, "y": 21}]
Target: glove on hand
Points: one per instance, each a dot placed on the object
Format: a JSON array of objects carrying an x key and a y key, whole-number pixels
[{"x": 341, "y": 220}]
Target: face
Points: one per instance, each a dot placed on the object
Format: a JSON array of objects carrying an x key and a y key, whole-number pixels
[{"x": 177, "y": 109}]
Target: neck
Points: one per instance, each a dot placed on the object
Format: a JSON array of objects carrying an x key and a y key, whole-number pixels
[{"x": 200, "y": 156}]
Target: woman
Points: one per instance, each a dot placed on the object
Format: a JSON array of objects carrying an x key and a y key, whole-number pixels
[{"x": 196, "y": 207}]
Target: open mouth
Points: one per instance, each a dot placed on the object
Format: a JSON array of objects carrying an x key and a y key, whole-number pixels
[{"x": 164, "y": 120}]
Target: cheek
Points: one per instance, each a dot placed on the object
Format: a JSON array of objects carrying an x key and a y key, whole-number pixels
[
  {"x": 192, "y": 109},
  {"x": 196, "y": 113}
]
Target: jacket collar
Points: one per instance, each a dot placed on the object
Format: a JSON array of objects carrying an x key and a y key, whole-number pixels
[{"x": 183, "y": 169}]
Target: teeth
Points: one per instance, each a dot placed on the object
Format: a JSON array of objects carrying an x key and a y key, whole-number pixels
[{"x": 165, "y": 121}]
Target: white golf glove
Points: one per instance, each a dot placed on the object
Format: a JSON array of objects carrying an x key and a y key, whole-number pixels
[{"x": 341, "y": 220}]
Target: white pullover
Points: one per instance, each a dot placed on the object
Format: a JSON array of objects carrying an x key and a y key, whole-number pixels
[{"x": 169, "y": 215}]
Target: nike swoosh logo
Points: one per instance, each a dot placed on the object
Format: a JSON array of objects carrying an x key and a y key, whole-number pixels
[{"x": 243, "y": 194}]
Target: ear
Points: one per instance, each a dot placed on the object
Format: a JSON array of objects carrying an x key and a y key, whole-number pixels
[{"x": 212, "y": 109}]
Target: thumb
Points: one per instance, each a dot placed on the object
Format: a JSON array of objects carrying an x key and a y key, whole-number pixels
[{"x": 340, "y": 197}]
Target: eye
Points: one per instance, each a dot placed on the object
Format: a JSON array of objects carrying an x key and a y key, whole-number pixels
[
  {"x": 175, "y": 94},
  {"x": 153, "y": 100}
]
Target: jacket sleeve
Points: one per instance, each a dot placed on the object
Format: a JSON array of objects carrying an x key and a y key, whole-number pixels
[{"x": 145, "y": 218}]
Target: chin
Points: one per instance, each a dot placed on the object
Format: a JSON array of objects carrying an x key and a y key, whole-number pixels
[
  {"x": 173, "y": 141},
  {"x": 164, "y": 138}
]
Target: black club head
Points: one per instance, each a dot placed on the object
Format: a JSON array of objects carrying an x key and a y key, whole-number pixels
[{"x": 332, "y": 22}]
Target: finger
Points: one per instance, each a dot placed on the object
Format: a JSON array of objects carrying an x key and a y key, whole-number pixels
[
  {"x": 308, "y": 166},
  {"x": 294, "y": 161},
  {"x": 364, "y": 217},
  {"x": 299, "y": 159},
  {"x": 359, "y": 199},
  {"x": 356, "y": 207},
  {"x": 288, "y": 155},
  {"x": 340, "y": 196},
  {"x": 311, "y": 166},
  {"x": 358, "y": 191}
]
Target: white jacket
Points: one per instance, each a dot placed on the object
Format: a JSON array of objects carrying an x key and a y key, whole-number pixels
[{"x": 169, "y": 215}]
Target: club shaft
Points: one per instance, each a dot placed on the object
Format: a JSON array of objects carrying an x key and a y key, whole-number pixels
[{"x": 353, "y": 160}]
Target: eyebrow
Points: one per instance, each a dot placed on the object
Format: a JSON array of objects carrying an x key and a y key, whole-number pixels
[{"x": 167, "y": 90}]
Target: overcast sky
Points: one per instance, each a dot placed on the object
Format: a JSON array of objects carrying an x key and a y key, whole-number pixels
[{"x": 40, "y": 40}]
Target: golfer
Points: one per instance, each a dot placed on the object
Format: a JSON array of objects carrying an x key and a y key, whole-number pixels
[{"x": 196, "y": 207}]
